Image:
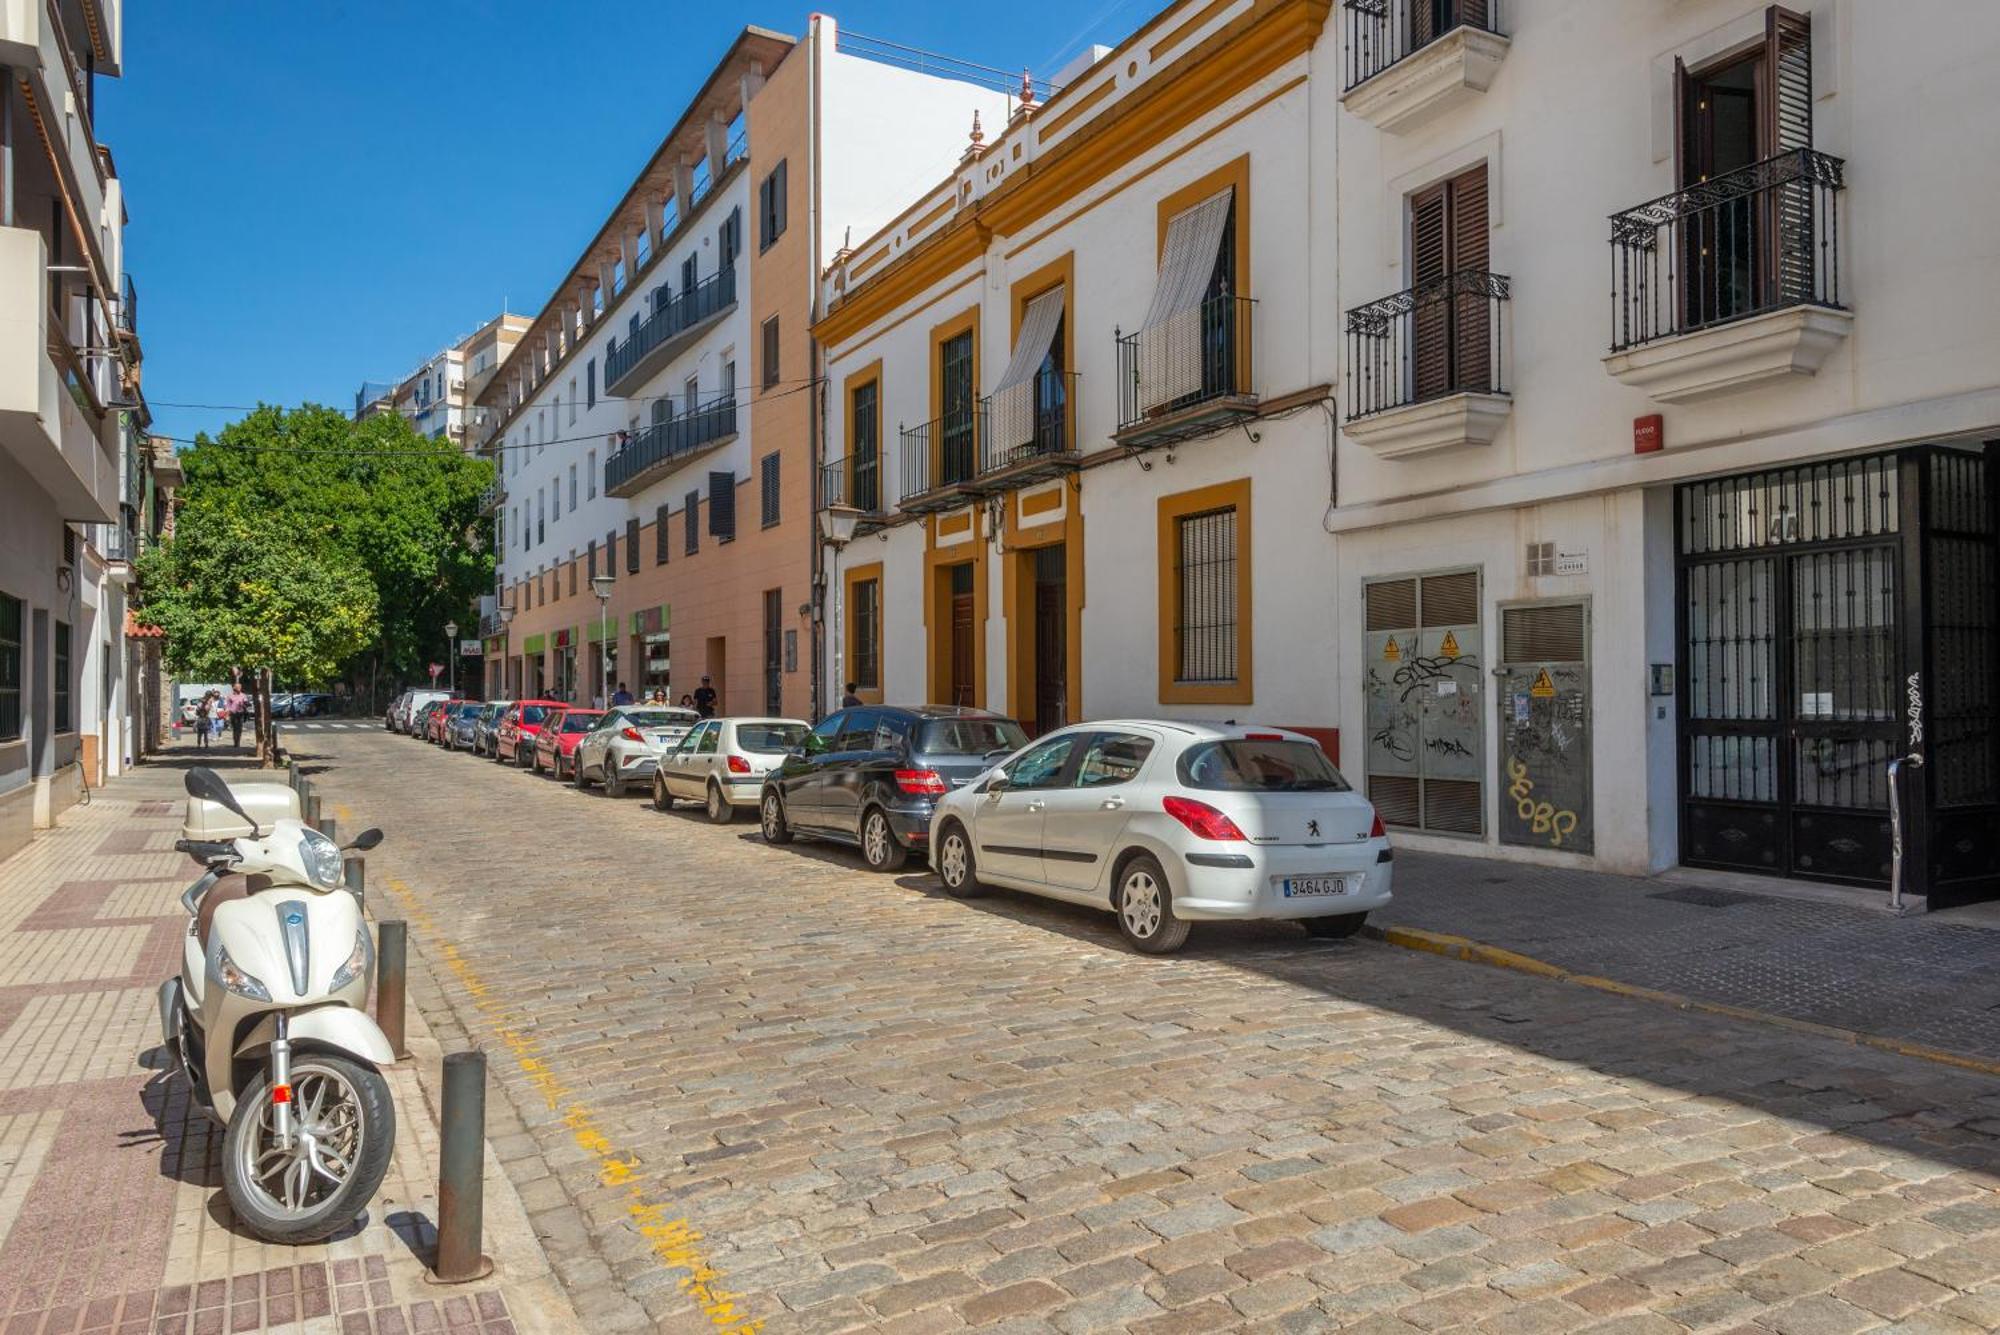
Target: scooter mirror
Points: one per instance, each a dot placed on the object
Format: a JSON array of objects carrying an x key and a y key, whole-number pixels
[
  {"x": 207, "y": 785},
  {"x": 366, "y": 840}
]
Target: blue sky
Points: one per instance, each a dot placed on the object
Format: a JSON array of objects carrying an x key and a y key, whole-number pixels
[{"x": 326, "y": 193}]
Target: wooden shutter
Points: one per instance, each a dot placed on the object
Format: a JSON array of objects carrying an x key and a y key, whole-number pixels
[
  {"x": 691, "y": 522},
  {"x": 1472, "y": 341},
  {"x": 722, "y": 505},
  {"x": 632, "y": 545},
  {"x": 611, "y": 553},
  {"x": 660, "y": 536},
  {"x": 590, "y": 547},
  {"x": 1787, "y": 81},
  {"x": 778, "y": 204},
  {"x": 1430, "y": 258},
  {"x": 769, "y": 483}
]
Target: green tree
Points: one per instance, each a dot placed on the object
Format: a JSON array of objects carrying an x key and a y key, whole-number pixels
[
  {"x": 232, "y": 593},
  {"x": 405, "y": 507}
]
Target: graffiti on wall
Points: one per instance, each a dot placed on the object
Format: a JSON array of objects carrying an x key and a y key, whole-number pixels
[
  {"x": 1423, "y": 694},
  {"x": 1545, "y": 739}
]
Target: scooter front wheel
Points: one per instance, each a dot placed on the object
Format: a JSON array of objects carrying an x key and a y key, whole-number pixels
[{"x": 343, "y": 1132}]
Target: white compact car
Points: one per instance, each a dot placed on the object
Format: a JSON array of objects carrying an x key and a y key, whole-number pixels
[
  {"x": 625, "y": 746},
  {"x": 722, "y": 762},
  {"x": 1166, "y": 824}
]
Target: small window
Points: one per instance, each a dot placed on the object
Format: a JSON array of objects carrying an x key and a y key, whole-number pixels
[
  {"x": 572, "y": 486},
  {"x": 611, "y": 553},
  {"x": 590, "y": 382},
  {"x": 592, "y": 471},
  {"x": 691, "y": 522},
  {"x": 729, "y": 238},
  {"x": 660, "y": 536},
  {"x": 722, "y": 506},
  {"x": 632, "y": 545},
  {"x": 572, "y": 400},
  {"x": 768, "y": 486},
  {"x": 771, "y": 206},
  {"x": 1113, "y": 758},
  {"x": 771, "y": 369},
  {"x": 865, "y": 662},
  {"x": 1205, "y": 633},
  {"x": 591, "y": 547}
]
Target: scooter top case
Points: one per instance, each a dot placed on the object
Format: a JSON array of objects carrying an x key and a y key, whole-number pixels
[{"x": 266, "y": 803}]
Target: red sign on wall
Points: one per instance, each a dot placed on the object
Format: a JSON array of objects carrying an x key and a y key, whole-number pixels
[{"x": 1647, "y": 435}]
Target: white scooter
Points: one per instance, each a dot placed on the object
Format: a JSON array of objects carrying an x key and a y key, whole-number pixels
[{"x": 268, "y": 1018}]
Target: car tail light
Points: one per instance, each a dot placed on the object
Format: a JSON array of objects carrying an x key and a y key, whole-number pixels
[
  {"x": 1378, "y": 830},
  {"x": 921, "y": 781},
  {"x": 738, "y": 765},
  {"x": 1201, "y": 818},
  {"x": 631, "y": 735}
]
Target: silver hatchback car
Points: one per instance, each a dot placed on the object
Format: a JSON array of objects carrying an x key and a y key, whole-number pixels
[
  {"x": 1166, "y": 824},
  {"x": 624, "y": 749}
]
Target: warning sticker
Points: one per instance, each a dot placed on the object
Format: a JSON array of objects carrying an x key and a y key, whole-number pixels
[
  {"x": 1450, "y": 646},
  {"x": 1544, "y": 687},
  {"x": 1391, "y": 653}
]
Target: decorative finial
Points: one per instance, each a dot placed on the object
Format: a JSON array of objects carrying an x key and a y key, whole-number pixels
[
  {"x": 977, "y": 143},
  {"x": 1027, "y": 88}
]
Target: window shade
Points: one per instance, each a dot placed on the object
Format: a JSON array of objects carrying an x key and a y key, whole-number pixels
[
  {"x": 1038, "y": 334},
  {"x": 1187, "y": 261},
  {"x": 722, "y": 505}
]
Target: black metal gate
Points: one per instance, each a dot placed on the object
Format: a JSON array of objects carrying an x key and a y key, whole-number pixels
[{"x": 1815, "y": 603}]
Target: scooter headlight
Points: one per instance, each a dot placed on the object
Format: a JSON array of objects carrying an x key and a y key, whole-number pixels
[
  {"x": 357, "y": 964},
  {"x": 322, "y": 859},
  {"x": 235, "y": 980}
]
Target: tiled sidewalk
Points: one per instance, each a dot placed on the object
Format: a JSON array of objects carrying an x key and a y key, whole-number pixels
[
  {"x": 1930, "y": 979},
  {"x": 112, "y": 1214}
]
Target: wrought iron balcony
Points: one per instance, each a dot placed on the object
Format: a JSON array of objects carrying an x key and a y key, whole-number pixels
[
  {"x": 673, "y": 326},
  {"x": 940, "y": 461},
  {"x": 651, "y": 454},
  {"x": 1444, "y": 336},
  {"x": 854, "y": 483},
  {"x": 1187, "y": 376},
  {"x": 1381, "y": 33},
  {"x": 1028, "y": 432},
  {"x": 1758, "y": 239},
  {"x": 128, "y": 306}
]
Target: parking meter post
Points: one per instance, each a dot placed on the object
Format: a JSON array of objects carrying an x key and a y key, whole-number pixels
[
  {"x": 392, "y": 960},
  {"x": 461, "y": 1176}
]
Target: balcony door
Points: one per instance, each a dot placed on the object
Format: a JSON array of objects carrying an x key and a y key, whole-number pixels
[
  {"x": 1746, "y": 242},
  {"x": 1450, "y": 347},
  {"x": 955, "y": 383}
]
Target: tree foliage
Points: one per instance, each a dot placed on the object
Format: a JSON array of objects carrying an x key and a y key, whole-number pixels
[{"x": 372, "y": 497}]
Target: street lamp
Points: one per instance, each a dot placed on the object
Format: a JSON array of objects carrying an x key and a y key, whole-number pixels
[
  {"x": 837, "y": 524},
  {"x": 601, "y": 585},
  {"x": 506, "y": 619},
  {"x": 451, "y": 653}
]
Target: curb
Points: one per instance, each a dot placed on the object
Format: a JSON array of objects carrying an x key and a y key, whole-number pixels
[{"x": 1479, "y": 952}]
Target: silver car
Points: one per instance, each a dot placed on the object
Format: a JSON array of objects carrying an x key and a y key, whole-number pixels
[
  {"x": 624, "y": 748},
  {"x": 1166, "y": 824},
  {"x": 721, "y": 763}
]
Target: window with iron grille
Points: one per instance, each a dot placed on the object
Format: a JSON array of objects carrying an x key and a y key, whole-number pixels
[
  {"x": 865, "y": 449},
  {"x": 64, "y": 721},
  {"x": 10, "y": 668},
  {"x": 771, "y": 208},
  {"x": 865, "y": 667},
  {"x": 691, "y": 522},
  {"x": 1205, "y": 629},
  {"x": 770, "y": 352},
  {"x": 632, "y": 545},
  {"x": 767, "y": 478},
  {"x": 660, "y": 536}
]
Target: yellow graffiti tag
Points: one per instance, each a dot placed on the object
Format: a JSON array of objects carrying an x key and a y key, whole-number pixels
[
  {"x": 1542, "y": 817},
  {"x": 673, "y": 1241}
]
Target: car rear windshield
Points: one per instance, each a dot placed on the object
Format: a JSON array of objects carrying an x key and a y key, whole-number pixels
[
  {"x": 773, "y": 737},
  {"x": 655, "y": 718},
  {"x": 580, "y": 722},
  {"x": 1256, "y": 765},
  {"x": 969, "y": 736},
  {"x": 533, "y": 713}
]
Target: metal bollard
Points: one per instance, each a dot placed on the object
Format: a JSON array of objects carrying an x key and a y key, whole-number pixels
[
  {"x": 392, "y": 972},
  {"x": 354, "y": 873},
  {"x": 312, "y": 810},
  {"x": 330, "y": 828},
  {"x": 461, "y": 1170},
  {"x": 292, "y": 774}
]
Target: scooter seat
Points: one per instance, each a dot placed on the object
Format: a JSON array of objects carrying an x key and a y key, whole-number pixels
[{"x": 226, "y": 888}]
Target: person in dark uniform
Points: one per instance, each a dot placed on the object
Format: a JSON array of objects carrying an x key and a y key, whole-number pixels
[{"x": 704, "y": 698}]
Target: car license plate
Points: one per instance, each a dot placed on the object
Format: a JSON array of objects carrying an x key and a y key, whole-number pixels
[{"x": 1310, "y": 887}]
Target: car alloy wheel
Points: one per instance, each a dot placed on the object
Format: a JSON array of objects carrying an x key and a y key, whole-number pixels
[
  {"x": 776, "y": 829},
  {"x": 614, "y": 784},
  {"x": 1140, "y": 905},
  {"x": 878, "y": 842},
  {"x": 718, "y": 808},
  {"x": 1146, "y": 910},
  {"x": 956, "y": 867},
  {"x": 661, "y": 798}
]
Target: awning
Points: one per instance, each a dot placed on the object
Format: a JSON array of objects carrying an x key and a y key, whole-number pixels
[
  {"x": 534, "y": 644},
  {"x": 1013, "y": 419},
  {"x": 1170, "y": 363}
]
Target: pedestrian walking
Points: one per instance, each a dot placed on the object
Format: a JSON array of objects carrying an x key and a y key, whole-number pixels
[
  {"x": 236, "y": 704},
  {"x": 704, "y": 699},
  {"x": 621, "y": 696},
  {"x": 201, "y": 721},
  {"x": 850, "y": 699}
]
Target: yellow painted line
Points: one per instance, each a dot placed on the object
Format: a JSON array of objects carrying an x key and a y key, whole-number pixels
[
  {"x": 1465, "y": 948},
  {"x": 674, "y": 1241}
]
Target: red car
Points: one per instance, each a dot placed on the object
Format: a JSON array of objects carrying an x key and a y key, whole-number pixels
[
  {"x": 555, "y": 744},
  {"x": 514, "y": 739}
]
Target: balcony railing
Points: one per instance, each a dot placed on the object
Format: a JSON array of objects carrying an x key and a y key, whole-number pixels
[
  {"x": 1197, "y": 360},
  {"x": 128, "y": 305},
  {"x": 493, "y": 497},
  {"x": 1382, "y": 32},
  {"x": 652, "y": 453},
  {"x": 1443, "y": 336},
  {"x": 1027, "y": 431},
  {"x": 679, "y": 316},
  {"x": 940, "y": 459},
  {"x": 1757, "y": 239},
  {"x": 855, "y": 483}
]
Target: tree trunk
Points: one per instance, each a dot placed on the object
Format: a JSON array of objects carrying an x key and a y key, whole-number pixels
[{"x": 266, "y": 747}]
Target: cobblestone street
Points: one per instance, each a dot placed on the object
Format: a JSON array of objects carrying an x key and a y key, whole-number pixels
[{"x": 763, "y": 1085}]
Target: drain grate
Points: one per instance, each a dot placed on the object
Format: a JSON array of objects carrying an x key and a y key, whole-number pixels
[{"x": 1702, "y": 896}]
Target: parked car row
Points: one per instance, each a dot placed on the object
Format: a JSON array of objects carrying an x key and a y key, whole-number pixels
[{"x": 1161, "y": 823}]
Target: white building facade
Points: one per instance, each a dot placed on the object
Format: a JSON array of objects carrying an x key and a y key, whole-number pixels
[{"x": 73, "y": 465}]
